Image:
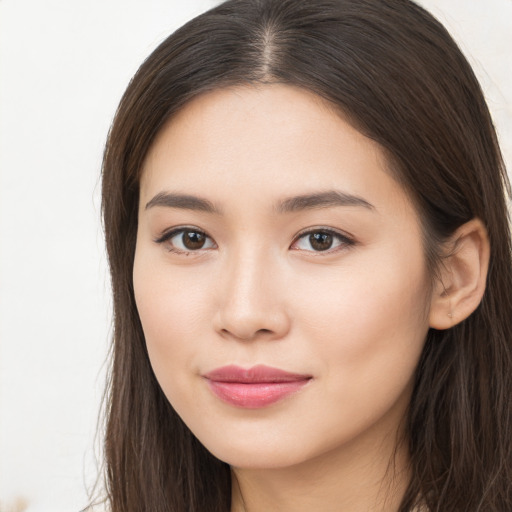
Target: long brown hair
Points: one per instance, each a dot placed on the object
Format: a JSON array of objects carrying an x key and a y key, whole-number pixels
[{"x": 395, "y": 72}]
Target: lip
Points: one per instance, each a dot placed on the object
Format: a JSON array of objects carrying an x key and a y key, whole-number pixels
[{"x": 255, "y": 387}]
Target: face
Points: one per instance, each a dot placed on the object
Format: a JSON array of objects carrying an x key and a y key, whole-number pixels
[{"x": 279, "y": 276}]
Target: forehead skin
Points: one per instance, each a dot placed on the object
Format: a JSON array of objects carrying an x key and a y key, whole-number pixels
[{"x": 257, "y": 109}]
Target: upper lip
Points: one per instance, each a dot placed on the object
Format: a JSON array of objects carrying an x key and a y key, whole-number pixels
[{"x": 256, "y": 374}]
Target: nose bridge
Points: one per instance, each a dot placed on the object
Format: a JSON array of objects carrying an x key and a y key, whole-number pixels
[{"x": 251, "y": 302}]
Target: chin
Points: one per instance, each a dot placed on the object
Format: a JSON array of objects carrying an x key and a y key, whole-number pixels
[
  {"x": 260, "y": 450},
  {"x": 257, "y": 457}
]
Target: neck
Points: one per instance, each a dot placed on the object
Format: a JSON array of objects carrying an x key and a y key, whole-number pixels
[{"x": 363, "y": 476}]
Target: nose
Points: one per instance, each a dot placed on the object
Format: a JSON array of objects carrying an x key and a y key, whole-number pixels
[{"x": 251, "y": 300}]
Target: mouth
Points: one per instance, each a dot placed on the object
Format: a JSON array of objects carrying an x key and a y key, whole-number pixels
[{"x": 255, "y": 387}]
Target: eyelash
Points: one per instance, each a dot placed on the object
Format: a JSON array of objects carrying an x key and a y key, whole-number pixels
[
  {"x": 168, "y": 235},
  {"x": 343, "y": 239}
]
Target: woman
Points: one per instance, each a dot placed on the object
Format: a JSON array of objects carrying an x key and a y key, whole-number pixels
[{"x": 306, "y": 221}]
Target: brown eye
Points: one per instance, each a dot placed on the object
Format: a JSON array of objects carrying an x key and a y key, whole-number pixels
[
  {"x": 320, "y": 241},
  {"x": 185, "y": 240},
  {"x": 193, "y": 240}
]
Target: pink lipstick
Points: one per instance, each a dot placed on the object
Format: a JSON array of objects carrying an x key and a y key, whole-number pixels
[{"x": 255, "y": 387}]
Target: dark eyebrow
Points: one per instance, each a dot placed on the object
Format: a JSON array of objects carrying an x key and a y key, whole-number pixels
[
  {"x": 321, "y": 200},
  {"x": 184, "y": 201}
]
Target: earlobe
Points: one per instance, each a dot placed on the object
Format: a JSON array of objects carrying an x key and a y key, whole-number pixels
[{"x": 463, "y": 275}]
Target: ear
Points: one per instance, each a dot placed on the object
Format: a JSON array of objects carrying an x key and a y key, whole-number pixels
[{"x": 463, "y": 276}]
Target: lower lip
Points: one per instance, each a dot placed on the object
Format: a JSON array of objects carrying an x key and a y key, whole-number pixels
[{"x": 255, "y": 395}]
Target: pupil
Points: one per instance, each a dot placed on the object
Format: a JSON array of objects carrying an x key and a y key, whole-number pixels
[
  {"x": 320, "y": 241},
  {"x": 193, "y": 240}
]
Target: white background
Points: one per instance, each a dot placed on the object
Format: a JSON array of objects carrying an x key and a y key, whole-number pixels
[{"x": 64, "y": 65}]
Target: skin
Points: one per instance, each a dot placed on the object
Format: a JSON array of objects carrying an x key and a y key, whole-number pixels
[{"x": 354, "y": 317}]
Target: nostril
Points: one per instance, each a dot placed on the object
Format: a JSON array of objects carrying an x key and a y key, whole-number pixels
[
  {"x": 247, "y": 335},
  {"x": 245, "y": 324}
]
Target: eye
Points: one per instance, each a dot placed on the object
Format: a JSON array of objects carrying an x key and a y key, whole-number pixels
[
  {"x": 186, "y": 240},
  {"x": 321, "y": 240}
]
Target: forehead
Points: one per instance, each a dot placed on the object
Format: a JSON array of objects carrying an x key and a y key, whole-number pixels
[{"x": 273, "y": 138}]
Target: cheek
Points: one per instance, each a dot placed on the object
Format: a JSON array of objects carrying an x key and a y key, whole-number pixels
[
  {"x": 172, "y": 310},
  {"x": 370, "y": 322}
]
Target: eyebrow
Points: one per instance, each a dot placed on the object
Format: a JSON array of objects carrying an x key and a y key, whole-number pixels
[
  {"x": 325, "y": 199},
  {"x": 321, "y": 200},
  {"x": 183, "y": 201}
]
